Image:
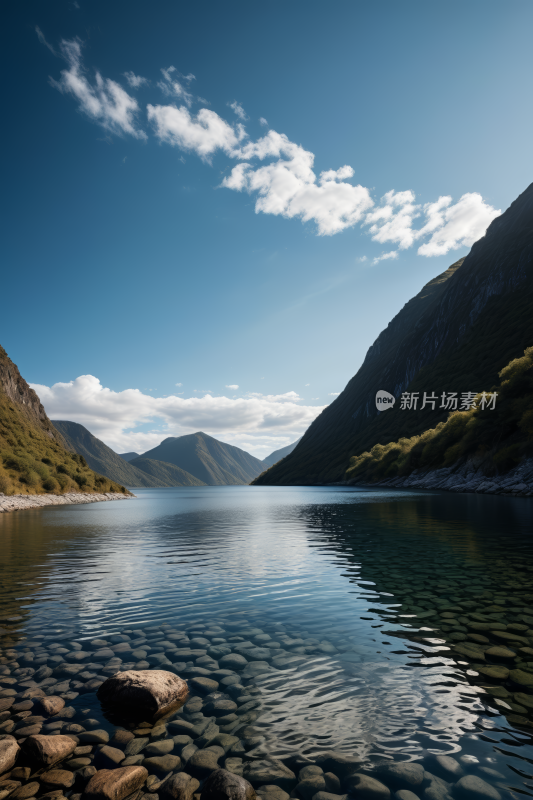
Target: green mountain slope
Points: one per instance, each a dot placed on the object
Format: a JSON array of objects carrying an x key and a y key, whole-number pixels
[
  {"x": 213, "y": 462},
  {"x": 454, "y": 336},
  {"x": 165, "y": 474},
  {"x": 34, "y": 457},
  {"x": 496, "y": 439},
  {"x": 129, "y": 456},
  {"x": 277, "y": 455}
]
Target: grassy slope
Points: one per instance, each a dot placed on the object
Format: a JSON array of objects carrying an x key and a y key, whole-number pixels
[
  {"x": 455, "y": 335},
  {"x": 213, "y": 462},
  {"x": 497, "y": 439},
  {"x": 33, "y": 458},
  {"x": 165, "y": 474}
]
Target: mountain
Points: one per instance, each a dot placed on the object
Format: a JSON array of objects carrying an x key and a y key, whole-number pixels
[
  {"x": 165, "y": 474},
  {"x": 128, "y": 456},
  {"x": 102, "y": 458},
  {"x": 277, "y": 455},
  {"x": 213, "y": 462},
  {"x": 456, "y": 335},
  {"x": 34, "y": 456}
]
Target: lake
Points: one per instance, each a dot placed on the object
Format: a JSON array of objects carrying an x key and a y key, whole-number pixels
[{"x": 392, "y": 626}]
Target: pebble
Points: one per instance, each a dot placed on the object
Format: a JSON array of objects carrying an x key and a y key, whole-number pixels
[{"x": 364, "y": 787}]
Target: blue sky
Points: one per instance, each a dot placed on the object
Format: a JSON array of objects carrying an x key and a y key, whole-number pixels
[{"x": 138, "y": 250}]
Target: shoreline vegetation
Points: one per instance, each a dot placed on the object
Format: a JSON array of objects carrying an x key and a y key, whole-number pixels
[{"x": 21, "y": 502}]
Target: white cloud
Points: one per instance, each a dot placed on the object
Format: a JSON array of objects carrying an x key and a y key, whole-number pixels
[
  {"x": 116, "y": 417},
  {"x": 170, "y": 85},
  {"x": 105, "y": 102},
  {"x": 392, "y": 221},
  {"x": 385, "y": 256},
  {"x": 41, "y": 37},
  {"x": 135, "y": 80},
  {"x": 204, "y": 133},
  {"x": 333, "y": 394},
  {"x": 263, "y": 121},
  {"x": 239, "y": 110},
  {"x": 179, "y": 384},
  {"x": 454, "y": 226},
  {"x": 288, "y": 187},
  {"x": 233, "y": 386}
]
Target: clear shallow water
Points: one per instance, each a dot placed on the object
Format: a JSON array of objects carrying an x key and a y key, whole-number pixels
[{"x": 352, "y": 582}]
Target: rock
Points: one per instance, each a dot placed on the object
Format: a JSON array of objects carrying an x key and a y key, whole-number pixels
[
  {"x": 521, "y": 678},
  {"x": 208, "y": 735},
  {"x": 447, "y": 767},
  {"x": 48, "y": 750},
  {"x": 115, "y": 784},
  {"x": 436, "y": 788},
  {"x": 152, "y": 693},
  {"x": 58, "y": 778},
  {"x": 108, "y": 757},
  {"x": 7, "y": 787},
  {"x": 78, "y": 763},
  {"x": 178, "y": 787},
  {"x": 330, "y": 796},
  {"x": 202, "y": 763},
  {"x": 233, "y": 661},
  {"x": 401, "y": 774},
  {"x": 363, "y": 787},
  {"x": 471, "y": 787},
  {"x": 308, "y": 770},
  {"x": 499, "y": 651},
  {"x": 224, "y": 785},
  {"x": 23, "y": 792},
  {"x": 99, "y": 736},
  {"x": 311, "y": 785},
  {"x": 49, "y": 706},
  {"x": 20, "y": 774},
  {"x": 267, "y": 771},
  {"x": 497, "y": 673},
  {"x": 204, "y": 685},
  {"x": 9, "y": 751},
  {"x": 121, "y": 738},
  {"x": 220, "y": 707},
  {"x": 405, "y": 794},
  {"x": 160, "y": 748},
  {"x": 134, "y": 747},
  {"x": 339, "y": 763},
  {"x": 166, "y": 763},
  {"x": 225, "y": 740}
]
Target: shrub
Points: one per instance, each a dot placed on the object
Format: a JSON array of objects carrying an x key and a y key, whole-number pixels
[
  {"x": 51, "y": 485},
  {"x": 47, "y": 461},
  {"x": 6, "y": 487},
  {"x": 62, "y": 469},
  {"x": 81, "y": 480},
  {"x": 30, "y": 477}
]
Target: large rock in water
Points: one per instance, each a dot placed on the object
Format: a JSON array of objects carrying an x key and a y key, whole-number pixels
[
  {"x": 9, "y": 751},
  {"x": 224, "y": 785},
  {"x": 115, "y": 784},
  {"x": 149, "y": 692},
  {"x": 48, "y": 750},
  {"x": 179, "y": 787}
]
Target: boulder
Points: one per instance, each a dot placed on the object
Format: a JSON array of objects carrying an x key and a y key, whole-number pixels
[
  {"x": 447, "y": 767},
  {"x": 7, "y": 788},
  {"x": 269, "y": 770},
  {"x": 146, "y": 693},
  {"x": 178, "y": 787},
  {"x": 115, "y": 784},
  {"x": 49, "y": 706},
  {"x": 48, "y": 750},
  {"x": 363, "y": 787},
  {"x": 202, "y": 763},
  {"x": 9, "y": 751},
  {"x": 162, "y": 764},
  {"x": 108, "y": 757},
  {"x": 121, "y": 738},
  {"x": 311, "y": 785},
  {"x": 224, "y": 785},
  {"x": 470, "y": 787},
  {"x": 58, "y": 779},
  {"x": 401, "y": 775},
  {"x": 339, "y": 763}
]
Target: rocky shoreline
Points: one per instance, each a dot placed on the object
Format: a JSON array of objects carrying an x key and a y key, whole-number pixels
[
  {"x": 463, "y": 478},
  {"x": 20, "y": 502}
]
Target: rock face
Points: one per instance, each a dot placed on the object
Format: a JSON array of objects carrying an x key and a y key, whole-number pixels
[
  {"x": 223, "y": 785},
  {"x": 9, "y": 751},
  {"x": 115, "y": 784},
  {"x": 425, "y": 335},
  {"x": 143, "y": 693},
  {"x": 48, "y": 750}
]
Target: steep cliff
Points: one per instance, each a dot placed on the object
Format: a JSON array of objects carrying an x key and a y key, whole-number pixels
[
  {"x": 455, "y": 335},
  {"x": 34, "y": 458}
]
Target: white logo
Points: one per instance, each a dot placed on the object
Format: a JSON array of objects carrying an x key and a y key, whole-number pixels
[{"x": 384, "y": 400}]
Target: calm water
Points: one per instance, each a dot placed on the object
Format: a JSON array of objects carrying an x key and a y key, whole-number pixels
[{"x": 351, "y": 582}]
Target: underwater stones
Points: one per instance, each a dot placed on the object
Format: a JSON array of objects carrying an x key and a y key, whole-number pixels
[
  {"x": 115, "y": 784},
  {"x": 204, "y": 685},
  {"x": 7, "y": 787},
  {"x": 178, "y": 787},
  {"x": 273, "y": 792},
  {"x": 509, "y": 636},
  {"x": 269, "y": 770},
  {"x": 447, "y": 767},
  {"x": 404, "y": 794},
  {"x": 121, "y": 738},
  {"x": 339, "y": 763},
  {"x": 469, "y": 650},
  {"x": 435, "y": 788},
  {"x": 224, "y": 785},
  {"x": 402, "y": 775},
  {"x": 220, "y": 707},
  {"x": 164, "y": 764},
  {"x": 521, "y": 677},
  {"x": 134, "y": 747},
  {"x": 149, "y": 692},
  {"x": 98, "y": 736},
  {"x": 498, "y": 651},
  {"x": 495, "y": 672},
  {"x": 159, "y": 748},
  {"x": 50, "y": 705},
  {"x": 58, "y": 779},
  {"x": 310, "y": 785},
  {"x": 471, "y": 787},
  {"x": 9, "y": 750},
  {"x": 202, "y": 763},
  {"x": 364, "y": 787},
  {"x": 108, "y": 757},
  {"x": 48, "y": 750}
]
